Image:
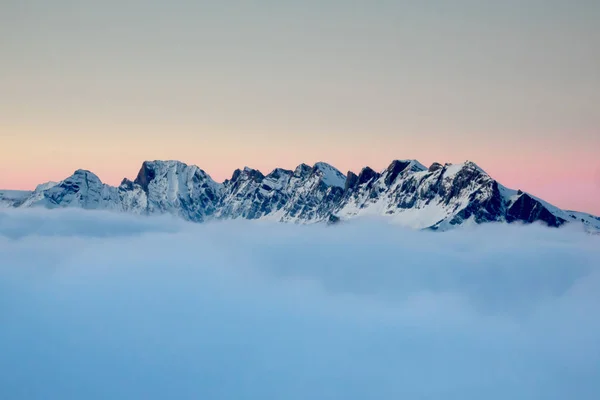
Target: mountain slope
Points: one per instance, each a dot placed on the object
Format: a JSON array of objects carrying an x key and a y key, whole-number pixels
[
  {"x": 171, "y": 187},
  {"x": 439, "y": 197}
]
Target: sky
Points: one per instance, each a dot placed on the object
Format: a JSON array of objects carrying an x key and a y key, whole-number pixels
[
  {"x": 511, "y": 85},
  {"x": 99, "y": 305}
]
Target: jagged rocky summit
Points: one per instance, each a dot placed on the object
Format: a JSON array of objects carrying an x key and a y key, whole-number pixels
[{"x": 439, "y": 197}]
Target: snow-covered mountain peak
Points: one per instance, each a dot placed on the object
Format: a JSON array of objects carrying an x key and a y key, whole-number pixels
[
  {"x": 166, "y": 163},
  {"x": 406, "y": 165},
  {"x": 253, "y": 173},
  {"x": 247, "y": 174},
  {"x": 84, "y": 174},
  {"x": 174, "y": 187},
  {"x": 302, "y": 170},
  {"x": 462, "y": 174},
  {"x": 45, "y": 186},
  {"x": 168, "y": 169},
  {"x": 439, "y": 197},
  {"x": 451, "y": 170},
  {"x": 83, "y": 189},
  {"x": 435, "y": 167},
  {"x": 330, "y": 175},
  {"x": 279, "y": 172},
  {"x": 401, "y": 168},
  {"x": 472, "y": 165},
  {"x": 366, "y": 175}
]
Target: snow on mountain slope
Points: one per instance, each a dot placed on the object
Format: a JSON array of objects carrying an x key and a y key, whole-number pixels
[
  {"x": 439, "y": 197},
  {"x": 444, "y": 196},
  {"x": 83, "y": 189},
  {"x": 12, "y": 198},
  {"x": 175, "y": 188},
  {"x": 311, "y": 195},
  {"x": 589, "y": 221},
  {"x": 251, "y": 195},
  {"x": 330, "y": 176},
  {"x": 306, "y": 194}
]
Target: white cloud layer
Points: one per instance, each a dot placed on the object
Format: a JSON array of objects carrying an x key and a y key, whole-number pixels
[{"x": 109, "y": 306}]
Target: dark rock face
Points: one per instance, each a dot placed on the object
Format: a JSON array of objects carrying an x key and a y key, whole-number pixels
[
  {"x": 485, "y": 209},
  {"x": 126, "y": 184},
  {"x": 485, "y": 203},
  {"x": 366, "y": 175},
  {"x": 236, "y": 175},
  {"x": 395, "y": 168},
  {"x": 254, "y": 174},
  {"x": 145, "y": 175},
  {"x": 279, "y": 173},
  {"x": 303, "y": 170},
  {"x": 351, "y": 181},
  {"x": 332, "y": 220},
  {"x": 528, "y": 210},
  {"x": 435, "y": 166}
]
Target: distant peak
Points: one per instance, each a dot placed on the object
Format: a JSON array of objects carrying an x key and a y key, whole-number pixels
[
  {"x": 253, "y": 174},
  {"x": 331, "y": 176},
  {"x": 165, "y": 163},
  {"x": 247, "y": 174},
  {"x": 279, "y": 172},
  {"x": 351, "y": 180},
  {"x": 45, "y": 186},
  {"x": 146, "y": 174},
  {"x": 323, "y": 165},
  {"x": 84, "y": 174},
  {"x": 126, "y": 184},
  {"x": 450, "y": 170},
  {"x": 399, "y": 166},
  {"x": 471, "y": 164},
  {"x": 435, "y": 167},
  {"x": 413, "y": 165},
  {"x": 366, "y": 175},
  {"x": 302, "y": 170},
  {"x": 235, "y": 175}
]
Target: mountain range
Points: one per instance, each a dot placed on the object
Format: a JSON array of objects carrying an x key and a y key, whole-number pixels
[{"x": 438, "y": 198}]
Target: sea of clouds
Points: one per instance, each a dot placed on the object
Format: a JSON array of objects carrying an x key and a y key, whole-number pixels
[{"x": 105, "y": 306}]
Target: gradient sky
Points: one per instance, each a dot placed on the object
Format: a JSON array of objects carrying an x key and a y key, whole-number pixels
[{"x": 103, "y": 85}]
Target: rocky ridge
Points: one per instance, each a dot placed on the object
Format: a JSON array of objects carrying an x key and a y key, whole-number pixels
[{"x": 440, "y": 197}]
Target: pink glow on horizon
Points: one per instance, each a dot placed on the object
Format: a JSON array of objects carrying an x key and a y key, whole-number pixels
[{"x": 350, "y": 86}]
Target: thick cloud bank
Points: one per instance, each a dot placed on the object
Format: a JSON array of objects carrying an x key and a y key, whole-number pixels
[{"x": 107, "y": 306}]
